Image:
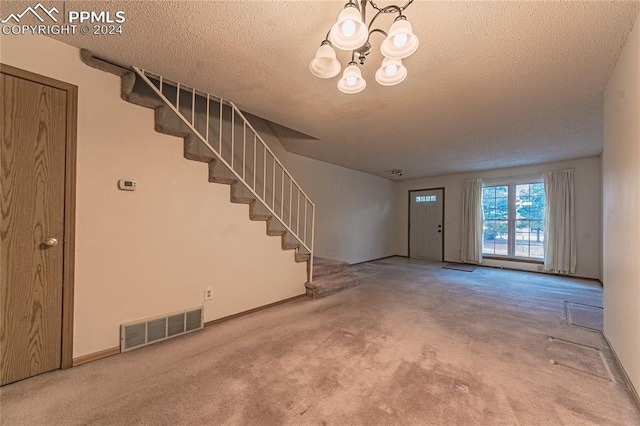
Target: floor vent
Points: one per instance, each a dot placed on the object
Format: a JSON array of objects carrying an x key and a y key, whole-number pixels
[{"x": 140, "y": 333}]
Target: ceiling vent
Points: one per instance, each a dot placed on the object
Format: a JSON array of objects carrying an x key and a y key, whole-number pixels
[{"x": 141, "y": 333}]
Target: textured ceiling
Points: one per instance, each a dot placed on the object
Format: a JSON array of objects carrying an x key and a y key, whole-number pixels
[{"x": 493, "y": 84}]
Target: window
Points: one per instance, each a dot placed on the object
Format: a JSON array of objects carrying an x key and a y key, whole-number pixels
[
  {"x": 426, "y": 199},
  {"x": 514, "y": 220}
]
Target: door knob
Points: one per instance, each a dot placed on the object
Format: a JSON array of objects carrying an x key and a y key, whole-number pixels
[{"x": 50, "y": 242}]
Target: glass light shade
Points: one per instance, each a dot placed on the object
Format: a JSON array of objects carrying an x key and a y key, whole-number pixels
[
  {"x": 352, "y": 81},
  {"x": 348, "y": 28},
  {"x": 400, "y": 42},
  {"x": 325, "y": 64},
  {"x": 349, "y": 32},
  {"x": 391, "y": 72}
]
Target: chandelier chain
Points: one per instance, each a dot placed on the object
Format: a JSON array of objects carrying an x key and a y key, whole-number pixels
[{"x": 390, "y": 9}]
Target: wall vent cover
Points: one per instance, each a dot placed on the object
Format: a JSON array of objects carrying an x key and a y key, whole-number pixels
[{"x": 141, "y": 333}]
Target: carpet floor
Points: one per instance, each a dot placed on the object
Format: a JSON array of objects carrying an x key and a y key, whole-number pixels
[
  {"x": 460, "y": 267},
  {"x": 413, "y": 344}
]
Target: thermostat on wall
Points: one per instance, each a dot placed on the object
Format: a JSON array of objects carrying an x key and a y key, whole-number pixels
[{"x": 127, "y": 184}]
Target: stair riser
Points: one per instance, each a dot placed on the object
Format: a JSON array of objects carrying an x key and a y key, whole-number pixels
[
  {"x": 319, "y": 293},
  {"x": 220, "y": 174},
  {"x": 321, "y": 271},
  {"x": 259, "y": 218},
  {"x": 329, "y": 284}
]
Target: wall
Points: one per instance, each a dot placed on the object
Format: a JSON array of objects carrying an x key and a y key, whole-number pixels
[
  {"x": 355, "y": 211},
  {"x": 151, "y": 251},
  {"x": 588, "y": 219},
  {"x": 621, "y": 204}
]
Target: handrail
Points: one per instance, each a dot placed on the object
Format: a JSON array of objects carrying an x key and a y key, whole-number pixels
[
  {"x": 301, "y": 237},
  {"x": 268, "y": 149}
]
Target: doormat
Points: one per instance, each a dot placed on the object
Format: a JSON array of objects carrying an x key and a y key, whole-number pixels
[
  {"x": 585, "y": 316},
  {"x": 579, "y": 357},
  {"x": 460, "y": 267}
]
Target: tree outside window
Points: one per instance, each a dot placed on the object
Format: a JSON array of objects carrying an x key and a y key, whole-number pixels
[{"x": 514, "y": 220}]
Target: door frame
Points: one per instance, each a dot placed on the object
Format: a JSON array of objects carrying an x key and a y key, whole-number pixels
[
  {"x": 68, "y": 257},
  {"x": 409, "y": 218}
]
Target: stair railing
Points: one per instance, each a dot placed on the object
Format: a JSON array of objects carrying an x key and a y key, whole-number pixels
[{"x": 266, "y": 186}]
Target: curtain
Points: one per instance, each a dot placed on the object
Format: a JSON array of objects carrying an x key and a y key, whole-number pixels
[
  {"x": 559, "y": 223},
  {"x": 472, "y": 221}
]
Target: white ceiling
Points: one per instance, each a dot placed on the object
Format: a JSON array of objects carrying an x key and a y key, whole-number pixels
[{"x": 493, "y": 84}]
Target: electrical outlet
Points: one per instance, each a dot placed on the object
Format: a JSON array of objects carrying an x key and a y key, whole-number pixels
[
  {"x": 540, "y": 268},
  {"x": 330, "y": 255},
  {"x": 208, "y": 293}
]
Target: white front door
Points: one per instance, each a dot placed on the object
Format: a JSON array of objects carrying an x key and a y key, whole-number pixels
[{"x": 425, "y": 224}]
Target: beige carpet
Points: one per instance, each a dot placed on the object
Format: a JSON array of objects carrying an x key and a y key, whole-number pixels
[{"x": 413, "y": 344}]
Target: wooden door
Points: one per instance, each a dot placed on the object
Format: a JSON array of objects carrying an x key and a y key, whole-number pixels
[
  {"x": 34, "y": 123},
  {"x": 425, "y": 224}
]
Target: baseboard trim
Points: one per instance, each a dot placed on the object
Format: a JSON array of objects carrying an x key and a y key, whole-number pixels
[
  {"x": 251, "y": 311},
  {"x": 540, "y": 272},
  {"x": 508, "y": 269},
  {"x": 630, "y": 388},
  {"x": 511, "y": 259},
  {"x": 373, "y": 260},
  {"x": 95, "y": 356}
]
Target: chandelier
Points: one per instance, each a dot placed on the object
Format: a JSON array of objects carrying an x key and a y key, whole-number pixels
[{"x": 352, "y": 33}]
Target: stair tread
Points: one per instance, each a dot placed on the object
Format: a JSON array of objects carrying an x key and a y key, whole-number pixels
[
  {"x": 259, "y": 217},
  {"x": 332, "y": 280},
  {"x": 324, "y": 267},
  {"x": 331, "y": 284},
  {"x": 302, "y": 258}
]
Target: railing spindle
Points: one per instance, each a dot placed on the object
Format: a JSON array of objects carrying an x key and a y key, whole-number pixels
[
  {"x": 178, "y": 98},
  {"x": 264, "y": 178},
  {"x": 233, "y": 134},
  {"x": 313, "y": 230},
  {"x": 244, "y": 149},
  {"x": 220, "y": 143},
  {"x": 297, "y": 210},
  {"x": 273, "y": 188},
  {"x": 290, "y": 199},
  {"x": 254, "y": 161},
  {"x": 207, "y": 120},
  {"x": 193, "y": 107}
]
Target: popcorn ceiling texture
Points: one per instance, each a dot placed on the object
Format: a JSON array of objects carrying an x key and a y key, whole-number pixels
[{"x": 493, "y": 84}]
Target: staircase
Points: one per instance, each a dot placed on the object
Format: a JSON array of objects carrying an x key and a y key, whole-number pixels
[
  {"x": 216, "y": 132},
  {"x": 330, "y": 276}
]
